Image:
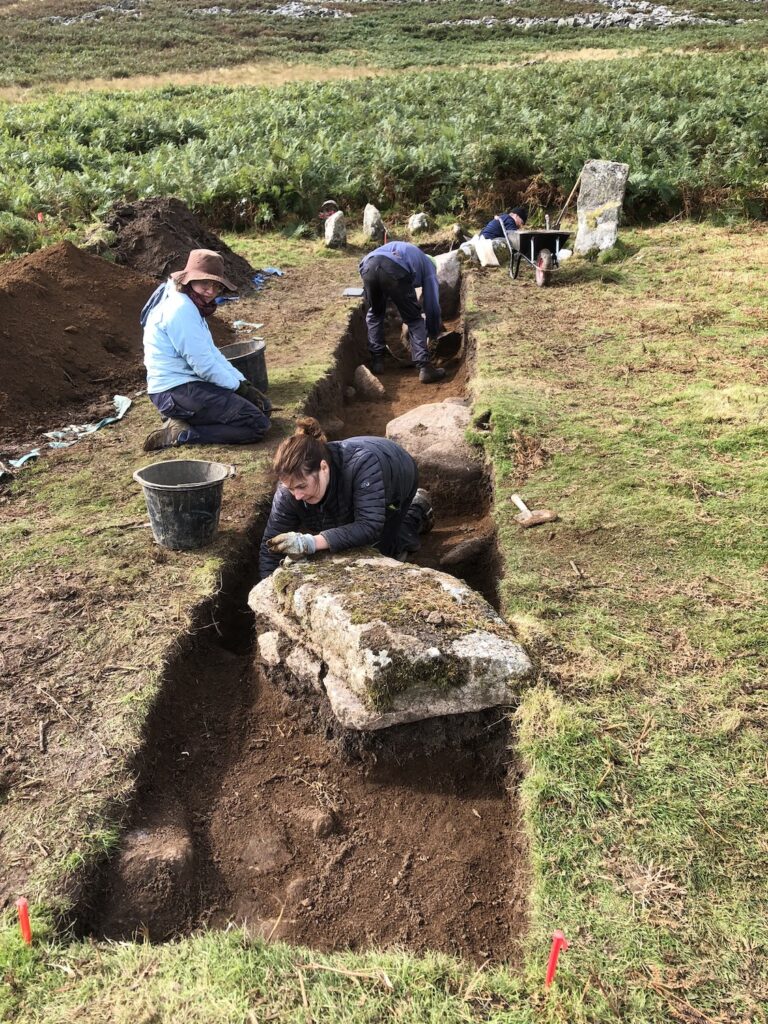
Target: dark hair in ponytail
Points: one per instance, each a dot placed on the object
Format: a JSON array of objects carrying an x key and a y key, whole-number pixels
[{"x": 300, "y": 456}]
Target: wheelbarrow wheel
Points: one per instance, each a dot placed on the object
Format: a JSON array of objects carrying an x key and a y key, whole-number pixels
[{"x": 544, "y": 266}]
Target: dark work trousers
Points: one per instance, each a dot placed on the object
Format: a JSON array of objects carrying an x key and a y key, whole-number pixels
[
  {"x": 215, "y": 415},
  {"x": 402, "y": 526},
  {"x": 384, "y": 279}
]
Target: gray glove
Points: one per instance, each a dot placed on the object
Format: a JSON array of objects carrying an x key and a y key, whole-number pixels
[{"x": 295, "y": 544}]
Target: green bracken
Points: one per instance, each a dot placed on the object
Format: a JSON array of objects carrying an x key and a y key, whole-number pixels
[{"x": 690, "y": 127}]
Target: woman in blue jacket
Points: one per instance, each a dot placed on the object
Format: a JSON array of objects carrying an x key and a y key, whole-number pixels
[
  {"x": 337, "y": 495},
  {"x": 204, "y": 399}
]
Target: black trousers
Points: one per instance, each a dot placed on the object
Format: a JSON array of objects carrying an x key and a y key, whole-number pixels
[{"x": 384, "y": 279}]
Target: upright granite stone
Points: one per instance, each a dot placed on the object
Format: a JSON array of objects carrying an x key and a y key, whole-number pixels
[
  {"x": 448, "y": 464},
  {"x": 449, "y": 282},
  {"x": 417, "y": 223},
  {"x": 603, "y": 184},
  {"x": 373, "y": 225},
  {"x": 336, "y": 231},
  {"x": 387, "y": 642}
]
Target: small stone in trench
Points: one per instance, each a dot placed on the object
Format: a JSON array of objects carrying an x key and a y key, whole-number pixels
[
  {"x": 367, "y": 384},
  {"x": 324, "y": 824},
  {"x": 265, "y": 852}
]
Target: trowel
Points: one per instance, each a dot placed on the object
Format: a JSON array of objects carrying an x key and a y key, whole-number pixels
[{"x": 533, "y": 517}]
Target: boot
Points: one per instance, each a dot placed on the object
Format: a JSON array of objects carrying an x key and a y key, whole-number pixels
[
  {"x": 429, "y": 374},
  {"x": 423, "y": 503},
  {"x": 377, "y": 365},
  {"x": 166, "y": 436}
]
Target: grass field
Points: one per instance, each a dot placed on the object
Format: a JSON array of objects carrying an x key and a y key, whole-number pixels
[
  {"x": 169, "y": 36},
  {"x": 631, "y": 398},
  {"x": 692, "y": 129}
]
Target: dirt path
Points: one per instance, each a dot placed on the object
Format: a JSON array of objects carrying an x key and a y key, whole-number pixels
[{"x": 272, "y": 74}]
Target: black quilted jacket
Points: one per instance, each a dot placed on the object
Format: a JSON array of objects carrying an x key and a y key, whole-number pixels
[{"x": 368, "y": 475}]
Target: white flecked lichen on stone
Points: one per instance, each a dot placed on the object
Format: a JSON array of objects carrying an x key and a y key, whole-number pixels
[{"x": 367, "y": 622}]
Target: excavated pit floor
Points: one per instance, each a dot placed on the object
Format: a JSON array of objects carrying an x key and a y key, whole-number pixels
[{"x": 249, "y": 812}]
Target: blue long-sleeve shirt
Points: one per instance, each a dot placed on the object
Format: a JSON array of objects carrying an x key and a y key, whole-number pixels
[
  {"x": 179, "y": 347},
  {"x": 423, "y": 275},
  {"x": 493, "y": 229}
]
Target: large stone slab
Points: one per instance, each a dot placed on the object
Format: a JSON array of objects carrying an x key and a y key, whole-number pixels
[
  {"x": 601, "y": 195},
  {"x": 434, "y": 434},
  {"x": 387, "y": 641}
]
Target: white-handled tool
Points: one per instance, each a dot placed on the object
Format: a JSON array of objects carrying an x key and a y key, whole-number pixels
[{"x": 529, "y": 518}]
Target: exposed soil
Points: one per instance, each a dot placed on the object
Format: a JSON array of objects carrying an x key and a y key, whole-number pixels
[
  {"x": 70, "y": 339},
  {"x": 297, "y": 843},
  {"x": 80, "y": 611},
  {"x": 409, "y": 839},
  {"x": 63, "y": 343},
  {"x": 155, "y": 236}
]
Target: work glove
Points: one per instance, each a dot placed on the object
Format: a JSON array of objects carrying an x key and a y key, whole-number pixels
[
  {"x": 252, "y": 394},
  {"x": 295, "y": 544}
]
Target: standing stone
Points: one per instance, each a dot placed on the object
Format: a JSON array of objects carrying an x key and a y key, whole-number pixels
[
  {"x": 417, "y": 223},
  {"x": 336, "y": 231},
  {"x": 449, "y": 281},
  {"x": 603, "y": 184},
  {"x": 373, "y": 225}
]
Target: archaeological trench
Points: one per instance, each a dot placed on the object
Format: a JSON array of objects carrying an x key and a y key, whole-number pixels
[{"x": 256, "y": 805}]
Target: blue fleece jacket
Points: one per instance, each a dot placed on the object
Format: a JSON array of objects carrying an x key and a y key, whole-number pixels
[
  {"x": 178, "y": 345},
  {"x": 423, "y": 275},
  {"x": 493, "y": 229}
]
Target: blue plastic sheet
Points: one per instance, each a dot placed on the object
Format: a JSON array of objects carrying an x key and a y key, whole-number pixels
[
  {"x": 70, "y": 435},
  {"x": 260, "y": 279},
  {"x": 18, "y": 463}
]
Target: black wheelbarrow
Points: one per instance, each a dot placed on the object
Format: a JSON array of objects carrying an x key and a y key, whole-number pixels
[{"x": 539, "y": 248}]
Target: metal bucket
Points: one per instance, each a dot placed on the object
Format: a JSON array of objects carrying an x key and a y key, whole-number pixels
[
  {"x": 249, "y": 357},
  {"x": 183, "y": 499}
]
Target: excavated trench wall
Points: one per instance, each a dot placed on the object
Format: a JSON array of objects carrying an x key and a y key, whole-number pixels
[{"x": 251, "y": 808}]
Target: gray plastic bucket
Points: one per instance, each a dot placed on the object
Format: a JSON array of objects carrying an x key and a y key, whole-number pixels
[
  {"x": 183, "y": 500},
  {"x": 250, "y": 359}
]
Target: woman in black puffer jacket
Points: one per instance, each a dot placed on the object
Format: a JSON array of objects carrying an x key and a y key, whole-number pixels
[{"x": 337, "y": 495}]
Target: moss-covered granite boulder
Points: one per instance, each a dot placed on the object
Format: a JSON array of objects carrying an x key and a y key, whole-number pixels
[{"x": 387, "y": 641}]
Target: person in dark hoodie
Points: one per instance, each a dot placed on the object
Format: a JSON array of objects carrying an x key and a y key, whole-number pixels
[
  {"x": 202, "y": 396},
  {"x": 337, "y": 495},
  {"x": 394, "y": 271},
  {"x": 515, "y": 220}
]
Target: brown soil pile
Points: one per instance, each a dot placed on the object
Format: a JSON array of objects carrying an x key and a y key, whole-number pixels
[
  {"x": 70, "y": 335},
  {"x": 154, "y": 236}
]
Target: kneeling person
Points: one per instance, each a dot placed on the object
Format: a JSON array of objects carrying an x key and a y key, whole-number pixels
[
  {"x": 337, "y": 495},
  {"x": 205, "y": 399}
]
